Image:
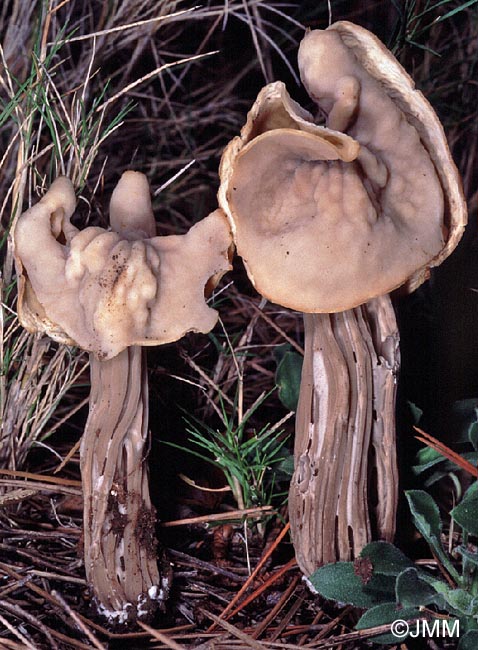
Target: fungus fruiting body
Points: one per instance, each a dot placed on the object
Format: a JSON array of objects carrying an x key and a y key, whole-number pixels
[
  {"x": 110, "y": 293},
  {"x": 329, "y": 220}
]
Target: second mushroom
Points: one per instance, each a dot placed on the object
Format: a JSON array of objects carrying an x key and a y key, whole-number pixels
[
  {"x": 329, "y": 220},
  {"x": 111, "y": 293}
]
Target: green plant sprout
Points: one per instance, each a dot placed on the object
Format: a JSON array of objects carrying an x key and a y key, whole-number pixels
[
  {"x": 254, "y": 463},
  {"x": 416, "y": 19},
  {"x": 250, "y": 461}
]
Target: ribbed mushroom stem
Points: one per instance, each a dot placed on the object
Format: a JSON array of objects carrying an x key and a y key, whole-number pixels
[
  {"x": 345, "y": 435},
  {"x": 119, "y": 520}
]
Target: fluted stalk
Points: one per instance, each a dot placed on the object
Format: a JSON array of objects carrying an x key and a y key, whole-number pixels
[
  {"x": 119, "y": 520},
  {"x": 344, "y": 489}
]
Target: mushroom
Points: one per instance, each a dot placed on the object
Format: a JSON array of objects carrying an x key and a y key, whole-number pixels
[
  {"x": 110, "y": 293},
  {"x": 330, "y": 220}
]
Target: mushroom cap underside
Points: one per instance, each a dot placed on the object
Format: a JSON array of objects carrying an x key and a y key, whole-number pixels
[{"x": 104, "y": 292}]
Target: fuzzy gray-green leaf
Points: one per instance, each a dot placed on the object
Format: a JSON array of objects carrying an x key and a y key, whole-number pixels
[
  {"x": 386, "y": 558},
  {"x": 412, "y": 591},
  {"x": 426, "y": 515},
  {"x": 383, "y": 614},
  {"x": 288, "y": 374},
  {"x": 466, "y": 512},
  {"x": 339, "y": 582}
]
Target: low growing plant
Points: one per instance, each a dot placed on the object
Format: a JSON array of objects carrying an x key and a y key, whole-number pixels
[
  {"x": 251, "y": 461},
  {"x": 390, "y": 586}
]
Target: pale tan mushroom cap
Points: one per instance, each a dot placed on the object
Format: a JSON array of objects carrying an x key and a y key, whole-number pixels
[
  {"x": 309, "y": 234},
  {"x": 274, "y": 109},
  {"x": 57, "y": 206},
  {"x": 319, "y": 229},
  {"x": 105, "y": 291},
  {"x": 358, "y": 53},
  {"x": 130, "y": 206}
]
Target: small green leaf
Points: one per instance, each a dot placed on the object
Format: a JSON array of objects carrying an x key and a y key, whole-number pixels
[
  {"x": 446, "y": 466},
  {"x": 473, "y": 434},
  {"x": 464, "y": 417},
  {"x": 466, "y": 512},
  {"x": 383, "y": 614},
  {"x": 416, "y": 412},
  {"x": 462, "y": 601},
  {"x": 439, "y": 585},
  {"x": 339, "y": 582},
  {"x": 286, "y": 466},
  {"x": 412, "y": 591},
  {"x": 288, "y": 374},
  {"x": 426, "y": 458},
  {"x": 426, "y": 514},
  {"x": 426, "y": 517},
  {"x": 386, "y": 558},
  {"x": 469, "y": 641}
]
